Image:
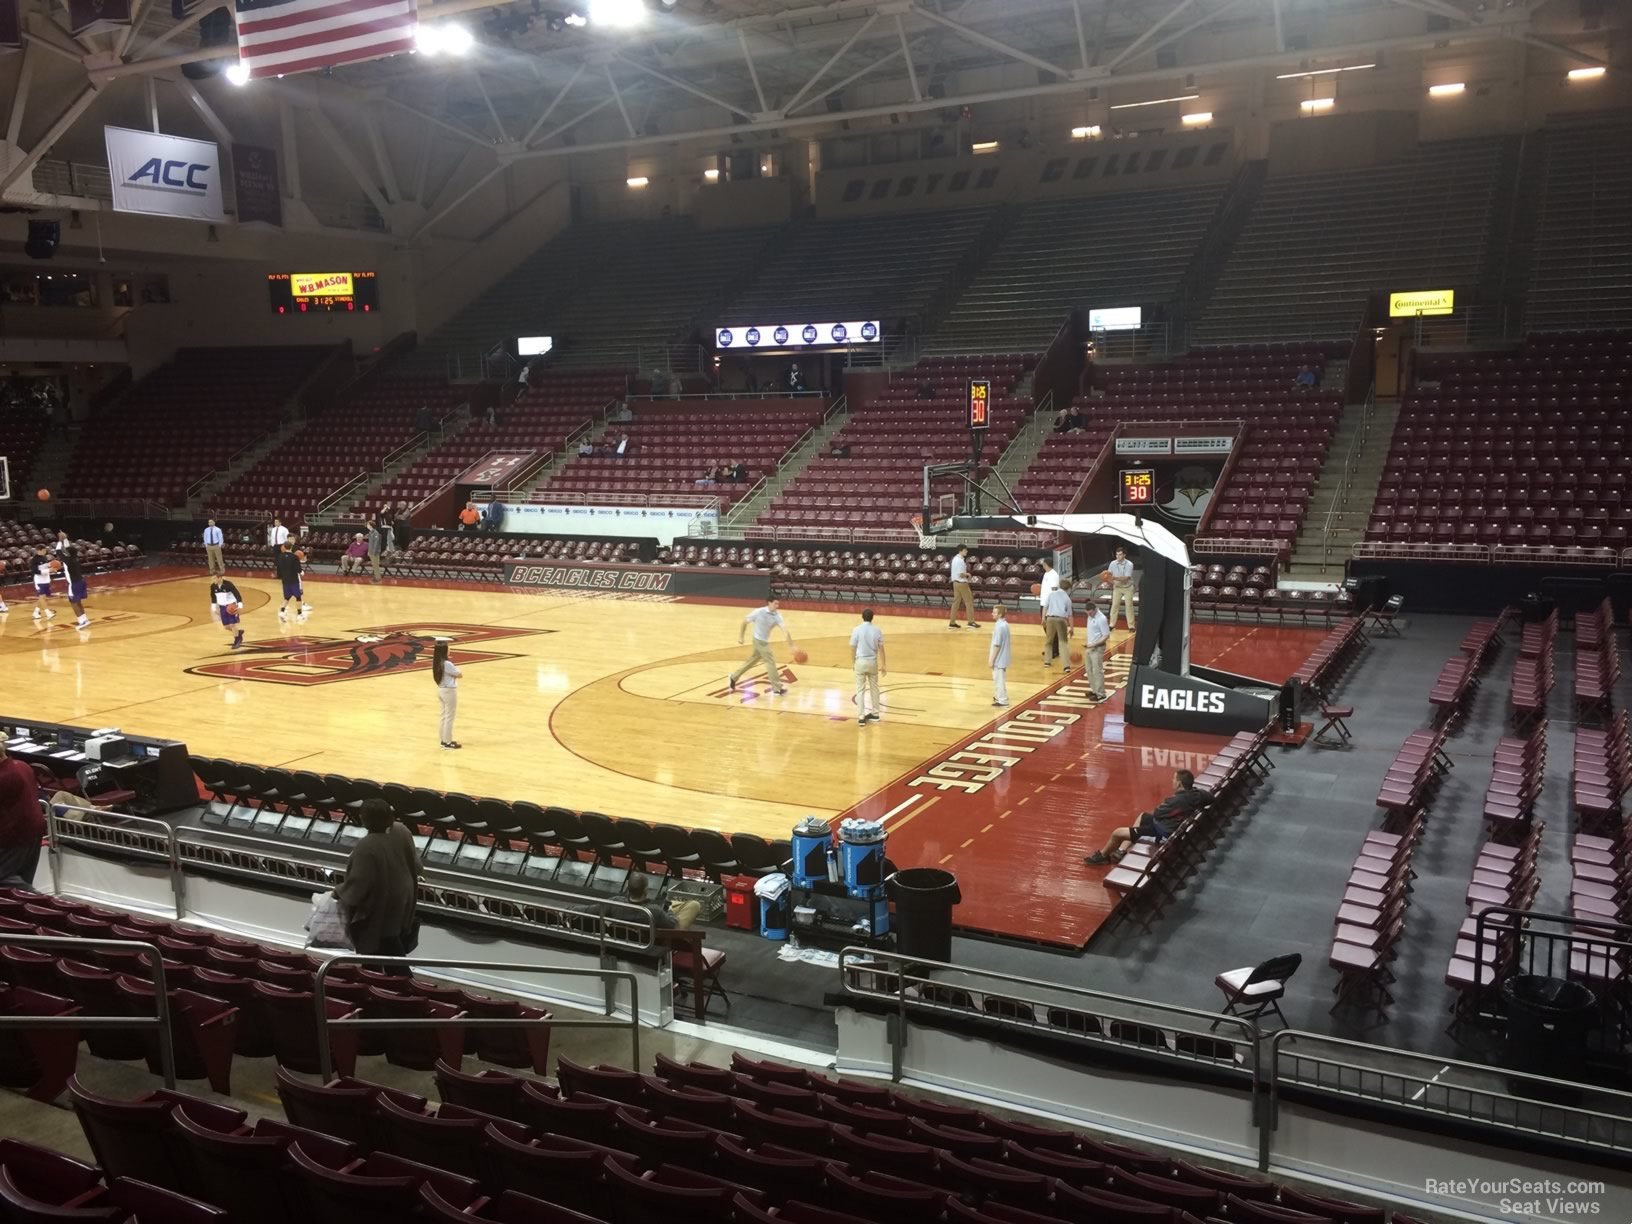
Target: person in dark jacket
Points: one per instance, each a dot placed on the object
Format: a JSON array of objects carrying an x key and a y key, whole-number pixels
[
  {"x": 1185, "y": 801},
  {"x": 380, "y": 888},
  {"x": 22, "y": 824}
]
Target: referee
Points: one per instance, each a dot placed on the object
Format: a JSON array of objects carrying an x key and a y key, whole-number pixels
[{"x": 1057, "y": 625}]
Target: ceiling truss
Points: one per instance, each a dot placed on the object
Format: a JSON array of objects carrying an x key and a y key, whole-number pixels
[{"x": 763, "y": 72}]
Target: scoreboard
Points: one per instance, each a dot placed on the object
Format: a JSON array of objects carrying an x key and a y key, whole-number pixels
[
  {"x": 322, "y": 292},
  {"x": 1138, "y": 488},
  {"x": 980, "y": 403}
]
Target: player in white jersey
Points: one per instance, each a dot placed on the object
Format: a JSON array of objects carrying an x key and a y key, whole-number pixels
[{"x": 45, "y": 569}]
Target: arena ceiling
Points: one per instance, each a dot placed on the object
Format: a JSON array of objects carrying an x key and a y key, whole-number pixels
[{"x": 533, "y": 87}]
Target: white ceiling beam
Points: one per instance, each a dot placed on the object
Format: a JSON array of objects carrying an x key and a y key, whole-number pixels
[
  {"x": 422, "y": 165},
  {"x": 571, "y": 123},
  {"x": 732, "y": 107},
  {"x": 69, "y": 116},
  {"x": 1155, "y": 28},
  {"x": 753, "y": 73},
  {"x": 833, "y": 59},
  {"x": 19, "y": 96},
  {"x": 554, "y": 102},
  {"x": 451, "y": 128},
  {"x": 618, "y": 97},
  {"x": 181, "y": 27},
  {"x": 1412, "y": 42},
  {"x": 164, "y": 62},
  {"x": 443, "y": 210},
  {"x": 382, "y": 159},
  {"x": 206, "y": 112},
  {"x": 1564, "y": 49},
  {"x": 849, "y": 80},
  {"x": 1082, "y": 34},
  {"x": 353, "y": 164},
  {"x": 906, "y": 56},
  {"x": 150, "y": 87},
  {"x": 990, "y": 43},
  {"x": 138, "y": 18},
  {"x": 498, "y": 125}
]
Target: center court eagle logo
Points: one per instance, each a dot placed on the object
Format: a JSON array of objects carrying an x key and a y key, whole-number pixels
[{"x": 379, "y": 650}]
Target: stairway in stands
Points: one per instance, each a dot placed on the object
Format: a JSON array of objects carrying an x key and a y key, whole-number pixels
[
  {"x": 747, "y": 512},
  {"x": 241, "y": 463},
  {"x": 1341, "y": 504}
]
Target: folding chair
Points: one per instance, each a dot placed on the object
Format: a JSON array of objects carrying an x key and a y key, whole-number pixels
[{"x": 1250, "y": 992}]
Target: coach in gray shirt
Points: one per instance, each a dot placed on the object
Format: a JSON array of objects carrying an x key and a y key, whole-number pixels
[{"x": 764, "y": 620}]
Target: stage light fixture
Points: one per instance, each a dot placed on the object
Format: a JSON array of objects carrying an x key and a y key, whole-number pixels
[
  {"x": 1585, "y": 74},
  {"x": 1450, "y": 89},
  {"x": 617, "y": 14},
  {"x": 238, "y": 74}
]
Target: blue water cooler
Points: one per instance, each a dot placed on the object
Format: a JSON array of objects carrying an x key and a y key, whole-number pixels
[
  {"x": 812, "y": 847},
  {"x": 775, "y": 906},
  {"x": 861, "y": 858}
]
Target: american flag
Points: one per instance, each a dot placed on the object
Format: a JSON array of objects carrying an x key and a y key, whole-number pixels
[{"x": 282, "y": 36}]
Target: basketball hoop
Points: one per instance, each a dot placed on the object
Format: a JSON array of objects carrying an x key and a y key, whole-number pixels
[{"x": 924, "y": 541}]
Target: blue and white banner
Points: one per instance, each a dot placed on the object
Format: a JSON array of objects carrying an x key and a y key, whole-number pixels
[
  {"x": 798, "y": 335},
  {"x": 164, "y": 176},
  {"x": 663, "y": 523}
]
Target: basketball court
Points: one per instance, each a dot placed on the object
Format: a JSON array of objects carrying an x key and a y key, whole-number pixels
[{"x": 620, "y": 704}]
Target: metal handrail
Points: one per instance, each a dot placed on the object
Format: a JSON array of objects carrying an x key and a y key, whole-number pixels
[
  {"x": 325, "y": 1059},
  {"x": 1430, "y": 1093},
  {"x": 60, "y": 827},
  {"x": 1145, "y": 1013},
  {"x": 633, "y": 922},
  {"x": 1367, "y": 413},
  {"x": 161, "y": 997},
  {"x": 725, "y": 395}
]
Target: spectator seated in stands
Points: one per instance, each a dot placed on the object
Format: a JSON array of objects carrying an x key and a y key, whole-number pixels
[
  {"x": 839, "y": 450},
  {"x": 737, "y": 472},
  {"x": 356, "y": 553},
  {"x": 424, "y": 419},
  {"x": 586, "y": 448},
  {"x": 680, "y": 917},
  {"x": 620, "y": 412},
  {"x": 22, "y": 825},
  {"x": 795, "y": 380},
  {"x": 469, "y": 517},
  {"x": 1070, "y": 420},
  {"x": 711, "y": 474},
  {"x": 1306, "y": 377},
  {"x": 622, "y": 449},
  {"x": 1186, "y": 799}
]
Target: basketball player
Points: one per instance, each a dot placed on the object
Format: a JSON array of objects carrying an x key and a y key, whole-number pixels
[
  {"x": 1049, "y": 584},
  {"x": 997, "y": 657},
  {"x": 764, "y": 620},
  {"x": 74, "y": 574},
  {"x": 962, "y": 596},
  {"x": 867, "y": 649},
  {"x": 1121, "y": 571},
  {"x": 43, "y": 562},
  {"x": 289, "y": 570},
  {"x": 228, "y": 604}
]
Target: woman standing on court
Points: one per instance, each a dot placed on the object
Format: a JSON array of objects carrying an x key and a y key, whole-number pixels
[{"x": 446, "y": 674}]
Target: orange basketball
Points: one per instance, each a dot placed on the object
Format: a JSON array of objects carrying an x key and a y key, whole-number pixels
[
  {"x": 234, "y": 609},
  {"x": 44, "y": 495},
  {"x": 800, "y": 656},
  {"x": 56, "y": 566},
  {"x": 1036, "y": 588},
  {"x": 1105, "y": 578},
  {"x": 300, "y": 554}
]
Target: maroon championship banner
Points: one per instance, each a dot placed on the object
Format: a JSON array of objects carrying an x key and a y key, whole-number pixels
[
  {"x": 610, "y": 578},
  {"x": 496, "y": 468},
  {"x": 255, "y": 184}
]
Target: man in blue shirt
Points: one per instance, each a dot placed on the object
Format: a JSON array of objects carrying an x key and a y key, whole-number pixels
[
  {"x": 212, "y": 550},
  {"x": 1093, "y": 655}
]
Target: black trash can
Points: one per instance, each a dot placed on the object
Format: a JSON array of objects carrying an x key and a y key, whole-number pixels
[
  {"x": 924, "y": 897},
  {"x": 1548, "y": 1020}
]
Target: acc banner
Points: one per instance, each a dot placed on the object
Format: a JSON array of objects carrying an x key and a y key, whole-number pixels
[{"x": 164, "y": 176}]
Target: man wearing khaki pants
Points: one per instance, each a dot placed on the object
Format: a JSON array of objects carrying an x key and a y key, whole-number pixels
[
  {"x": 867, "y": 649},
  {"x": 1121, "y": 571},
  {"x": 764, "y": 620},
  {"x": 962, "y": 596},
  {"x": 1057, "y": 625},
  {"x": 1093, "y": 654},
  {"x": 212, "y": 549}
]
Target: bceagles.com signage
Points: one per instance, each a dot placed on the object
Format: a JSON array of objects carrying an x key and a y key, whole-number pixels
[
  {"x": 797, "y": 335},
  {"x": 634, "y": 579}
]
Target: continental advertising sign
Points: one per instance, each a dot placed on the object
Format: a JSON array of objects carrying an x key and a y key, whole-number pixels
[
  {"x": 1421, "y": 302},
  {"x": 320, "y": 284}
]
